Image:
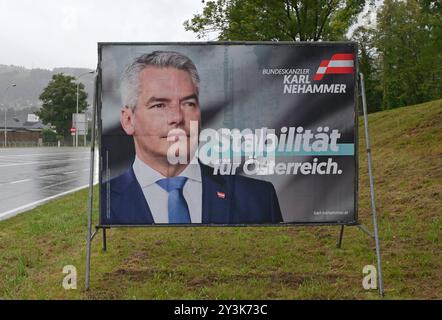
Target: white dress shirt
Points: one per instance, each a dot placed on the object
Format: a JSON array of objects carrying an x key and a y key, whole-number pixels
[{"x": 157, "y": 197}]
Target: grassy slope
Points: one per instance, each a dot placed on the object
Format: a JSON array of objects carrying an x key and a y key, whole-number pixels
[{"x": 253, "y": 263}]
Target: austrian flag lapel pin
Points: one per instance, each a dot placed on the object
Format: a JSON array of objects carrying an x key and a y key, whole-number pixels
[{"x": 221, "y": 195}]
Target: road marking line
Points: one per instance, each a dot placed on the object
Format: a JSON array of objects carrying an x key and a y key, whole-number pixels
[
  {"x": 19, "y": 181},
  {"x": 10, "y": 160},
  {"x": 49, "y": 175},
  {"x": 13, "y": 212},
  {"x": 69, "y": 172},
  {"x": 43, "y": 162},
  {"x": 41, "y": 154},
  {"x": 17, "y": 164},
  {"x": 49, "y": 186}
]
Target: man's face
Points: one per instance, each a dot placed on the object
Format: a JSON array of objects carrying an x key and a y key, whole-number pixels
[{"x": 167, "y": 100}]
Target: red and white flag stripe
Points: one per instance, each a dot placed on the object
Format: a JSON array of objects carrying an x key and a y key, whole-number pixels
[
  {"x": 221, "y": 195},
  {"x": 340, "y": 63}
]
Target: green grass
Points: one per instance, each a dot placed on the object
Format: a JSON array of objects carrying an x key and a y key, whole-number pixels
[{"x": 253, "y": 263}]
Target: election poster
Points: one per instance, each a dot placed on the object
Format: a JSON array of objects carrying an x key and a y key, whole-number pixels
[{"x": 247, "y": 133}]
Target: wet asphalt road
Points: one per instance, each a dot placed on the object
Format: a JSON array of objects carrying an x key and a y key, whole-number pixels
[{"x": 30, "y": 176}]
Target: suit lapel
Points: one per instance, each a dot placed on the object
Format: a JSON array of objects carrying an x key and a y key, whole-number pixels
[
  {"x": 216, "y": 198},
  {"x": 134, "y": 206}
]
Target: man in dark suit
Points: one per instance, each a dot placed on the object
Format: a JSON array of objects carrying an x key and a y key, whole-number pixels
[{"x": 160, "y": 101}]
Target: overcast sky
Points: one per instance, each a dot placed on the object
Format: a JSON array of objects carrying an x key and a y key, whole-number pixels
[{"x": 64, "y": 33}]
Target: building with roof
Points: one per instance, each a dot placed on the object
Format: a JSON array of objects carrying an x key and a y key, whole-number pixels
[{"x": 22, "y": 131}]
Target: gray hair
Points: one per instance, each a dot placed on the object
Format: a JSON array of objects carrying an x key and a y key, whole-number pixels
[{"x": 130, "y": 82}]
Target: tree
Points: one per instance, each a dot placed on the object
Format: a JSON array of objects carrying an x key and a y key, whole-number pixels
[
  {"x": 60, "y": 102},
  {"x": 431, "y": 11},
  {"x": 277, "y": 20},
  {"x": 48, "y": 136},
  {"x": 409, "y": 42},
  {"x": 368, "y": 61}
]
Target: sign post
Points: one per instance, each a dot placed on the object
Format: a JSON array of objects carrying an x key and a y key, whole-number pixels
[
  {"x": 73, "y": 134},
  {"x": 79, "y": 122}
]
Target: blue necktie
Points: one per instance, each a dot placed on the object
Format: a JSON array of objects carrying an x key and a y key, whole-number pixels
[{"x": 176, "y": 204}]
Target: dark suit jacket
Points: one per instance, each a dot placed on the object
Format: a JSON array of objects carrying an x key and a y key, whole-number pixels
[{"x": 245, "y": 201}]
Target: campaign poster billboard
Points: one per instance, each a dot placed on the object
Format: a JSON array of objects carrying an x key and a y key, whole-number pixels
[{"x": 228, "y": 133}]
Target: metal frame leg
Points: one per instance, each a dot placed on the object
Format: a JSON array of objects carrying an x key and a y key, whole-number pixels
[
  {"x": 370, "y": 174},
  {"x": 366, "y": 231},
  {"x": 91, "y": 193},
  {"x": 104, "y": 240},
  {"x": 341, "y": 235}
]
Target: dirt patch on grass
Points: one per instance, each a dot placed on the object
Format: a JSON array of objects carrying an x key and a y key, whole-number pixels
[
  {"x": 146, "y": 274},
  {"x": 288, "y": 279}
]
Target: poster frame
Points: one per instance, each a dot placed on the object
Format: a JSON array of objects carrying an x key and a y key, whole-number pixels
[{"x": 354, "y": 222}]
